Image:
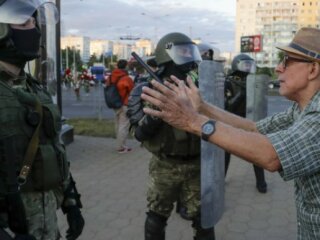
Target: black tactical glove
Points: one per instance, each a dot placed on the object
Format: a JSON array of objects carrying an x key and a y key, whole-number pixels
[
  {"x": 75, "y": 222},
  {"x": 148, "y": 128},
  {"x": 24, "y": 237}
]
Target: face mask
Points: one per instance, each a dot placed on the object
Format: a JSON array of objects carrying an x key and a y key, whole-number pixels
[
  {"x": 27, "y": 42},
  {"x": 187, "y": 67}
]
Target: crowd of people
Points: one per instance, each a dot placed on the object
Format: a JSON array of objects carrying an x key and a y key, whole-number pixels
[{"x": 168, "y": 116}]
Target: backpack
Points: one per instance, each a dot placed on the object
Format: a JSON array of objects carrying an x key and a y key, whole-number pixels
[{"x": 112, "y": 96}]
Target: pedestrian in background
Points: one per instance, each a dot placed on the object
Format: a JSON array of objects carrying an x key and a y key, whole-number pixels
[
  {"x": 124, "y": 83},
  {"x": 34, "y": 171},
  {"x": 287, "y": 142}
]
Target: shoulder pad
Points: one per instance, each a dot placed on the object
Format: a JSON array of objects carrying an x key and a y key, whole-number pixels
[{"x": 137, "y": 90}]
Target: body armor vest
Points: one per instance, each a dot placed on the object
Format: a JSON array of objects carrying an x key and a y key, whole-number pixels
[
  {"x": 18, "y": 118},
  {"x": 235, "y": 95},
  {"x": 170, "y": 142}
]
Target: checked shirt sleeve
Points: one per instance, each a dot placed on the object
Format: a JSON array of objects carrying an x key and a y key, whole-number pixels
[{"x": 297, "y": 147}]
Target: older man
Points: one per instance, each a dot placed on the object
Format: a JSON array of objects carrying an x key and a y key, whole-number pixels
[{"x": 287, "y": 142}]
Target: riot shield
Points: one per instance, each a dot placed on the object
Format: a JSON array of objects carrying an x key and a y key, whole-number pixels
[
  {"x": 211, "y": 85},
  {"x": 44, "y": 68},
  {"x": 257, "y": 91}
]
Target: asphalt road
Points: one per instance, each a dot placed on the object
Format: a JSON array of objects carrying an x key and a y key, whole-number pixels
[{"x": 92, "y": 104}]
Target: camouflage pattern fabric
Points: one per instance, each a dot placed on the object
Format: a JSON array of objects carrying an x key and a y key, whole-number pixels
[
  {"x": 172, "y": 179},
  {"x": 41, "y": 215}
]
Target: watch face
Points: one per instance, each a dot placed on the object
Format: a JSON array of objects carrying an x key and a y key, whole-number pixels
[{"x": 207, "y": 128}]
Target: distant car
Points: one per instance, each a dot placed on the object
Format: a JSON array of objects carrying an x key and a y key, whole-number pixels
[{"x": 274, "y": 84}]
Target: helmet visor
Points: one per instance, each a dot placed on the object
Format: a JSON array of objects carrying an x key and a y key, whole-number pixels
[
  {"x": 184, "y": 53},
  {"x": 19, "y": 11},
  {"x": 248, "y": 66}
]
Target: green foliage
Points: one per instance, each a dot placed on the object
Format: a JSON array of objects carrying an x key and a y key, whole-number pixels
[
  {"x": 72, "y": 55},
  {"x": 93, "y": 59},
  {"x": 93, "y": 127}
]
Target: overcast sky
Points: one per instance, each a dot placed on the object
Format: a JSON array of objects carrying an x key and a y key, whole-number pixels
[{"x": 211, "y": 20}]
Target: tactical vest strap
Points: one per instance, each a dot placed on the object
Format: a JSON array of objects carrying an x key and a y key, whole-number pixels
[{"x": 32, "y": 148}]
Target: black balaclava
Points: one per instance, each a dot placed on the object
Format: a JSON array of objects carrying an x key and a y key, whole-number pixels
[
  {"x": 180, "y": 71},
  {"x": 21, "y": 46},
  {"x": 240, "y": 74}
]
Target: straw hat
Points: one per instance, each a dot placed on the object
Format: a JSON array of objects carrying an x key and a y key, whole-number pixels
[{"x": 306, "y": 43}]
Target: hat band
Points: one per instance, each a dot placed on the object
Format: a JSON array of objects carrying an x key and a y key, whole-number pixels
[{"x": 305, "y": 51}]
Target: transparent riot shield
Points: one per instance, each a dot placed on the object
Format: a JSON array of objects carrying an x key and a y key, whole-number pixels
[
  {"x": 257, "y": 91},
  {"x": 45, "y": 67},
  {"x": 211, "y": 85}
]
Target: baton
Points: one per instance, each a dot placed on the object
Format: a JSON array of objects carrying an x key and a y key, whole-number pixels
[{"x": 146, "y": 67}]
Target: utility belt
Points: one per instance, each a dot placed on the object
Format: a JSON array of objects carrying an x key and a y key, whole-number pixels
[{"x": 181, "y": 157}]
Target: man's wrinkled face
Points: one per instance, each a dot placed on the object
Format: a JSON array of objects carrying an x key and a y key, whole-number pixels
[{"x": 293, "y": 75}]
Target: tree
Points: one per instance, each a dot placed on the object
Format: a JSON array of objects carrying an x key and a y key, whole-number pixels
[
  {"x": 93, "y": 59},
  {"x": 69, "y": 53}
]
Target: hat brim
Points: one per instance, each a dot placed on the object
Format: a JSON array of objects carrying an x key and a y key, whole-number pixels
[{"x": 294, "y": 51}]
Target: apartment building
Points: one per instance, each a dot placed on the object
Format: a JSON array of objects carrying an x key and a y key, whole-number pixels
[
  {"x": 276, "y": 21},
  {"x": 100, "y": 46},
  {"x": 79, "y": 43}
]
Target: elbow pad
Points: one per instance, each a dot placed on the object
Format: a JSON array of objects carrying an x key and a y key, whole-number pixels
[{"x": 135, "y": 104}]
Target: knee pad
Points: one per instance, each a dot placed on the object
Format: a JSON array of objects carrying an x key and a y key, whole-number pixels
[
  {"x": 154, "y": 227},
  {"x": 202, "y": 233}
]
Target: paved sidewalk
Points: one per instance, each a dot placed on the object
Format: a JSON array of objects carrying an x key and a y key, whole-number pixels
[{"x": 113, "y": 188}]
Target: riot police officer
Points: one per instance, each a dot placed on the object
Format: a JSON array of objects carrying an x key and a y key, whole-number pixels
[
  {"x": 235, "y": 102},
  {"x": 34, "y": 175},
  {"x": 174, "y": 169}
]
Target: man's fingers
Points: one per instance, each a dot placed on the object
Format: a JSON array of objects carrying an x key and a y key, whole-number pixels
[
  {"x": 175, "y": 79},
  {"x": 160, "y": 87},
  {"x": 151, "y": 92},
  {"x": 154, "y": 100},
  {"x": 171, "y": 85},
  {"x": 191, "y": 83},
  {"x": 153, "y": 112}
]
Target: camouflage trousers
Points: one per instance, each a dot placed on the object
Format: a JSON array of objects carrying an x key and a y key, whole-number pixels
[
  {"x": 41, "y": 215},
  {"x": 171, "y": 180}
]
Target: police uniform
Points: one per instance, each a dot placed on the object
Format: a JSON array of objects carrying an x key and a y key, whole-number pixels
[
  {"x": 34, "y": 172},
  {"x": 174, "y": 169},
  {"x": 235, "y": 102},
  {"x": 19, "y": 119}
]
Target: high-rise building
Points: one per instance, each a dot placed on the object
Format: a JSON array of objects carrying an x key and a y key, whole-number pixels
[
  {"x": 276, "y": 21},
  {"x": 100, "y": 46},
  {"x": 79, "y": 43}
]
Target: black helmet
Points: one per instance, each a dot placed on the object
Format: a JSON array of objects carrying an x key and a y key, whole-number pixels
[
  {"x": 178, "y": 48},
  {"x": 206, "y": 51},
  {"x": 14, "y": 47},
  {"x": 243, "y": 63},
  {"x": 209, "y": 52},
  {"x": 19, "y": 11}
]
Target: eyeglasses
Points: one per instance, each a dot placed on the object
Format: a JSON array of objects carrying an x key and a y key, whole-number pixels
[{"x": 286, "y": 59}]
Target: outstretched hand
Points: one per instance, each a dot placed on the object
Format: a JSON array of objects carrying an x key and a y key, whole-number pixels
[{"x": 176, "y": 102}]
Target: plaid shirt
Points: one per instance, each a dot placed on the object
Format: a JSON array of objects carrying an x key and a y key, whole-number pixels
[{"x": 295, "y": 136}]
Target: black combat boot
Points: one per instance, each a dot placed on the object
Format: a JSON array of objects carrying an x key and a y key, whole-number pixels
[{"x": 154, "y": 228}]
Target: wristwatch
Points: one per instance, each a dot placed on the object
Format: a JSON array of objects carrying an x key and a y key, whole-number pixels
[{"x": 208, "y": 128}]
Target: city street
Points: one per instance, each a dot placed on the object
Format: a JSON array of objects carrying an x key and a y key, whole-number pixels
[
  {"x": 113, "y": 188},
  {"x": 92, "y": 105}
]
